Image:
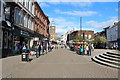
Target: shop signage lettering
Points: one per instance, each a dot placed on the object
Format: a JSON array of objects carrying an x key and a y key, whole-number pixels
[{"x": 24, "y": 33}]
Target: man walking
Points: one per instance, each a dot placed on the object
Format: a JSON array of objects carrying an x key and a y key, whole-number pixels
[{"x": 90, "y": 48}]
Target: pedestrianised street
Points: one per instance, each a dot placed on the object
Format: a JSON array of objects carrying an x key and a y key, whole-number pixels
[{"x": 60, "y": 63}]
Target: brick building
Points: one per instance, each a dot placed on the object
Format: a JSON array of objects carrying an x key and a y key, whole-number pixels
[
  {"x": 41, "y": 26},
  {"x": 88, "y": 35}
]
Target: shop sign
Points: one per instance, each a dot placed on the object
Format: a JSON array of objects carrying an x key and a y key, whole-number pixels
[
  {"x": 36, "y": 39},
  {"x": 45, "y": 39},
  {"x": 24, "y": 33}
]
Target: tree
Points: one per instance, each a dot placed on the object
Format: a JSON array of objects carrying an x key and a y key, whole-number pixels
[{"x": 100, "y": 41}]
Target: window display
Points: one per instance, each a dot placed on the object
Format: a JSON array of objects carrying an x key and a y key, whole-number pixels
[{"x": 5, "y": 39}]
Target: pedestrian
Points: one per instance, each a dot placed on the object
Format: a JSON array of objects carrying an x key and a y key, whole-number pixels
[
  {"x": 81, "y": 50},
  {"x": 24, "y": 48},
  {"x": 87, "y": 50},
  {"x": 77, "y": 48},
  {"x": 90, "y": 48},
  {"x": 39, "y": 49}
]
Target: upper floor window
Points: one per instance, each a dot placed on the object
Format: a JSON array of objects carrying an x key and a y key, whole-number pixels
[
  {"x": 0, "y": 9},
  {"x": 22, "y": 18},
  {"x": 17, "y": 16}
]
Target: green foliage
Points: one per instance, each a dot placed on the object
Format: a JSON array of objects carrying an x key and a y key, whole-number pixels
[
  {"x": 100, "y": 40},
  {"x": 75, "y": 40}
]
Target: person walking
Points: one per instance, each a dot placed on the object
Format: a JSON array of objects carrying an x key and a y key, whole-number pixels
[
  {"x": 90, "y": 48},
  {"x": 87, "y": 50},
  {"x": 39, "y": 49}
]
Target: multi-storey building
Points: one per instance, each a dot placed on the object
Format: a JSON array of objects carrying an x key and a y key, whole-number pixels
[
  {"x": 118, "y": 26},
  {"x": 53, "y": 34},
  {"x": 102, "y": 33},
  {"x": 65, "y": 37},
  {"x": 6, "y": 33},
  {"x": 17, "y": 25},
  {"x": 88, "y": 35},
  {"x": 41, "y": 26},
  {"x": 23, "y": 24},
  {"x": 112, "y": 35},
  {"x": 22, "y": 21}
]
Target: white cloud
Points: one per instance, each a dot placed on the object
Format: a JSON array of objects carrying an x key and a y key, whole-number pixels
[
  {"x": 99, "y": 25},
  {"x": 62, "y": 22},
  {"x": 77, "y": 0},
  {"x": 42, "y": 4},
  {"x": 81, "y": 4},
  {"x": 63, "y": 25},
  {"x": 77, "y": 13}
]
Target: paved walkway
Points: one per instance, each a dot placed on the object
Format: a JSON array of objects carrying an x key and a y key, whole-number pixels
[{"x": 61, "y": 63}]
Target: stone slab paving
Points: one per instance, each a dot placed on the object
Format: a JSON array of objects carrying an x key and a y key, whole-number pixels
[{"x": 61, "y": 63}]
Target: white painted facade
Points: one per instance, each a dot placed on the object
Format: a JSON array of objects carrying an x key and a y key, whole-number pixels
[
  {"x": 112, "y": 35},
  {"x": 64, "y": 37}
]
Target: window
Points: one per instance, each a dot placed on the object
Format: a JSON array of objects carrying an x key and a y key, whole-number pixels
[
  {"x": 52, "y": 27},
  {"x": 25, "y": 22},
  {"x": 0, "y": 9},
  {"x": 7, "y": 13},
  {"x": 17, "y": 16},
  {"x": 90, "y": 36},
  {"x": 1, "y": 37},
  {"x": 9, "y": 41},
  {"x": 28, "y": 4},
  {"x": 5, "y": 39},
  {"x": 29, "y": 23},
  {"x": 23, "y": 18}
]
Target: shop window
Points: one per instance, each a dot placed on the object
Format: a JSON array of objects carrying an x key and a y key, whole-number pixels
[
  {"x": 5, "y": 39},
  {"x": 0, "y": 42},
  {"x": 10, "y": 41}
]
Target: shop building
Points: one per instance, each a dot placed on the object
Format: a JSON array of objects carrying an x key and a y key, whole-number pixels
[
  {"x": 41, "y": 26},
  {"x": 6, "y": 33},
  {"x": 23, "y": 25},
  {"x": 17, "y": 21}
]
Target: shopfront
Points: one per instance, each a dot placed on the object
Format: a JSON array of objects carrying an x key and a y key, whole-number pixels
[
  {"x": 21, "y": 37},
  {"x": 1, "y": 39},
  {"x": 7, "y": 40}
]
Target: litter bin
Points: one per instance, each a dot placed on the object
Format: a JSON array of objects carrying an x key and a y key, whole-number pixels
[{"x": 25, "y": 56}]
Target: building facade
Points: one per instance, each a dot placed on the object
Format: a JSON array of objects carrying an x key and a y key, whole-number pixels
[
  {"x": 41, "y": 26},
  {"x": 112, "y": 36},
  {"x": 6, "y": 33},
  {"x": 53, "y": 34},
  {"x": 88, "y": 35},
  {"x": 23, "y": 25},
  {"x": 21, "y": 22},
  {"x": 118, "y": 26},
  {"x": 17, "y": 25}
]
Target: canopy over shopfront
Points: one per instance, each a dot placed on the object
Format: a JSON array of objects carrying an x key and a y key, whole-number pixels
[{"x": 80, "y": 43}]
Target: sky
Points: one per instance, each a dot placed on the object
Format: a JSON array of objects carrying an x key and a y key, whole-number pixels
[{"x": 66, "y": 15}]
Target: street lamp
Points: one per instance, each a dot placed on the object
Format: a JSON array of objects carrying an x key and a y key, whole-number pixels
[{"x": 83, "y": 41}]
